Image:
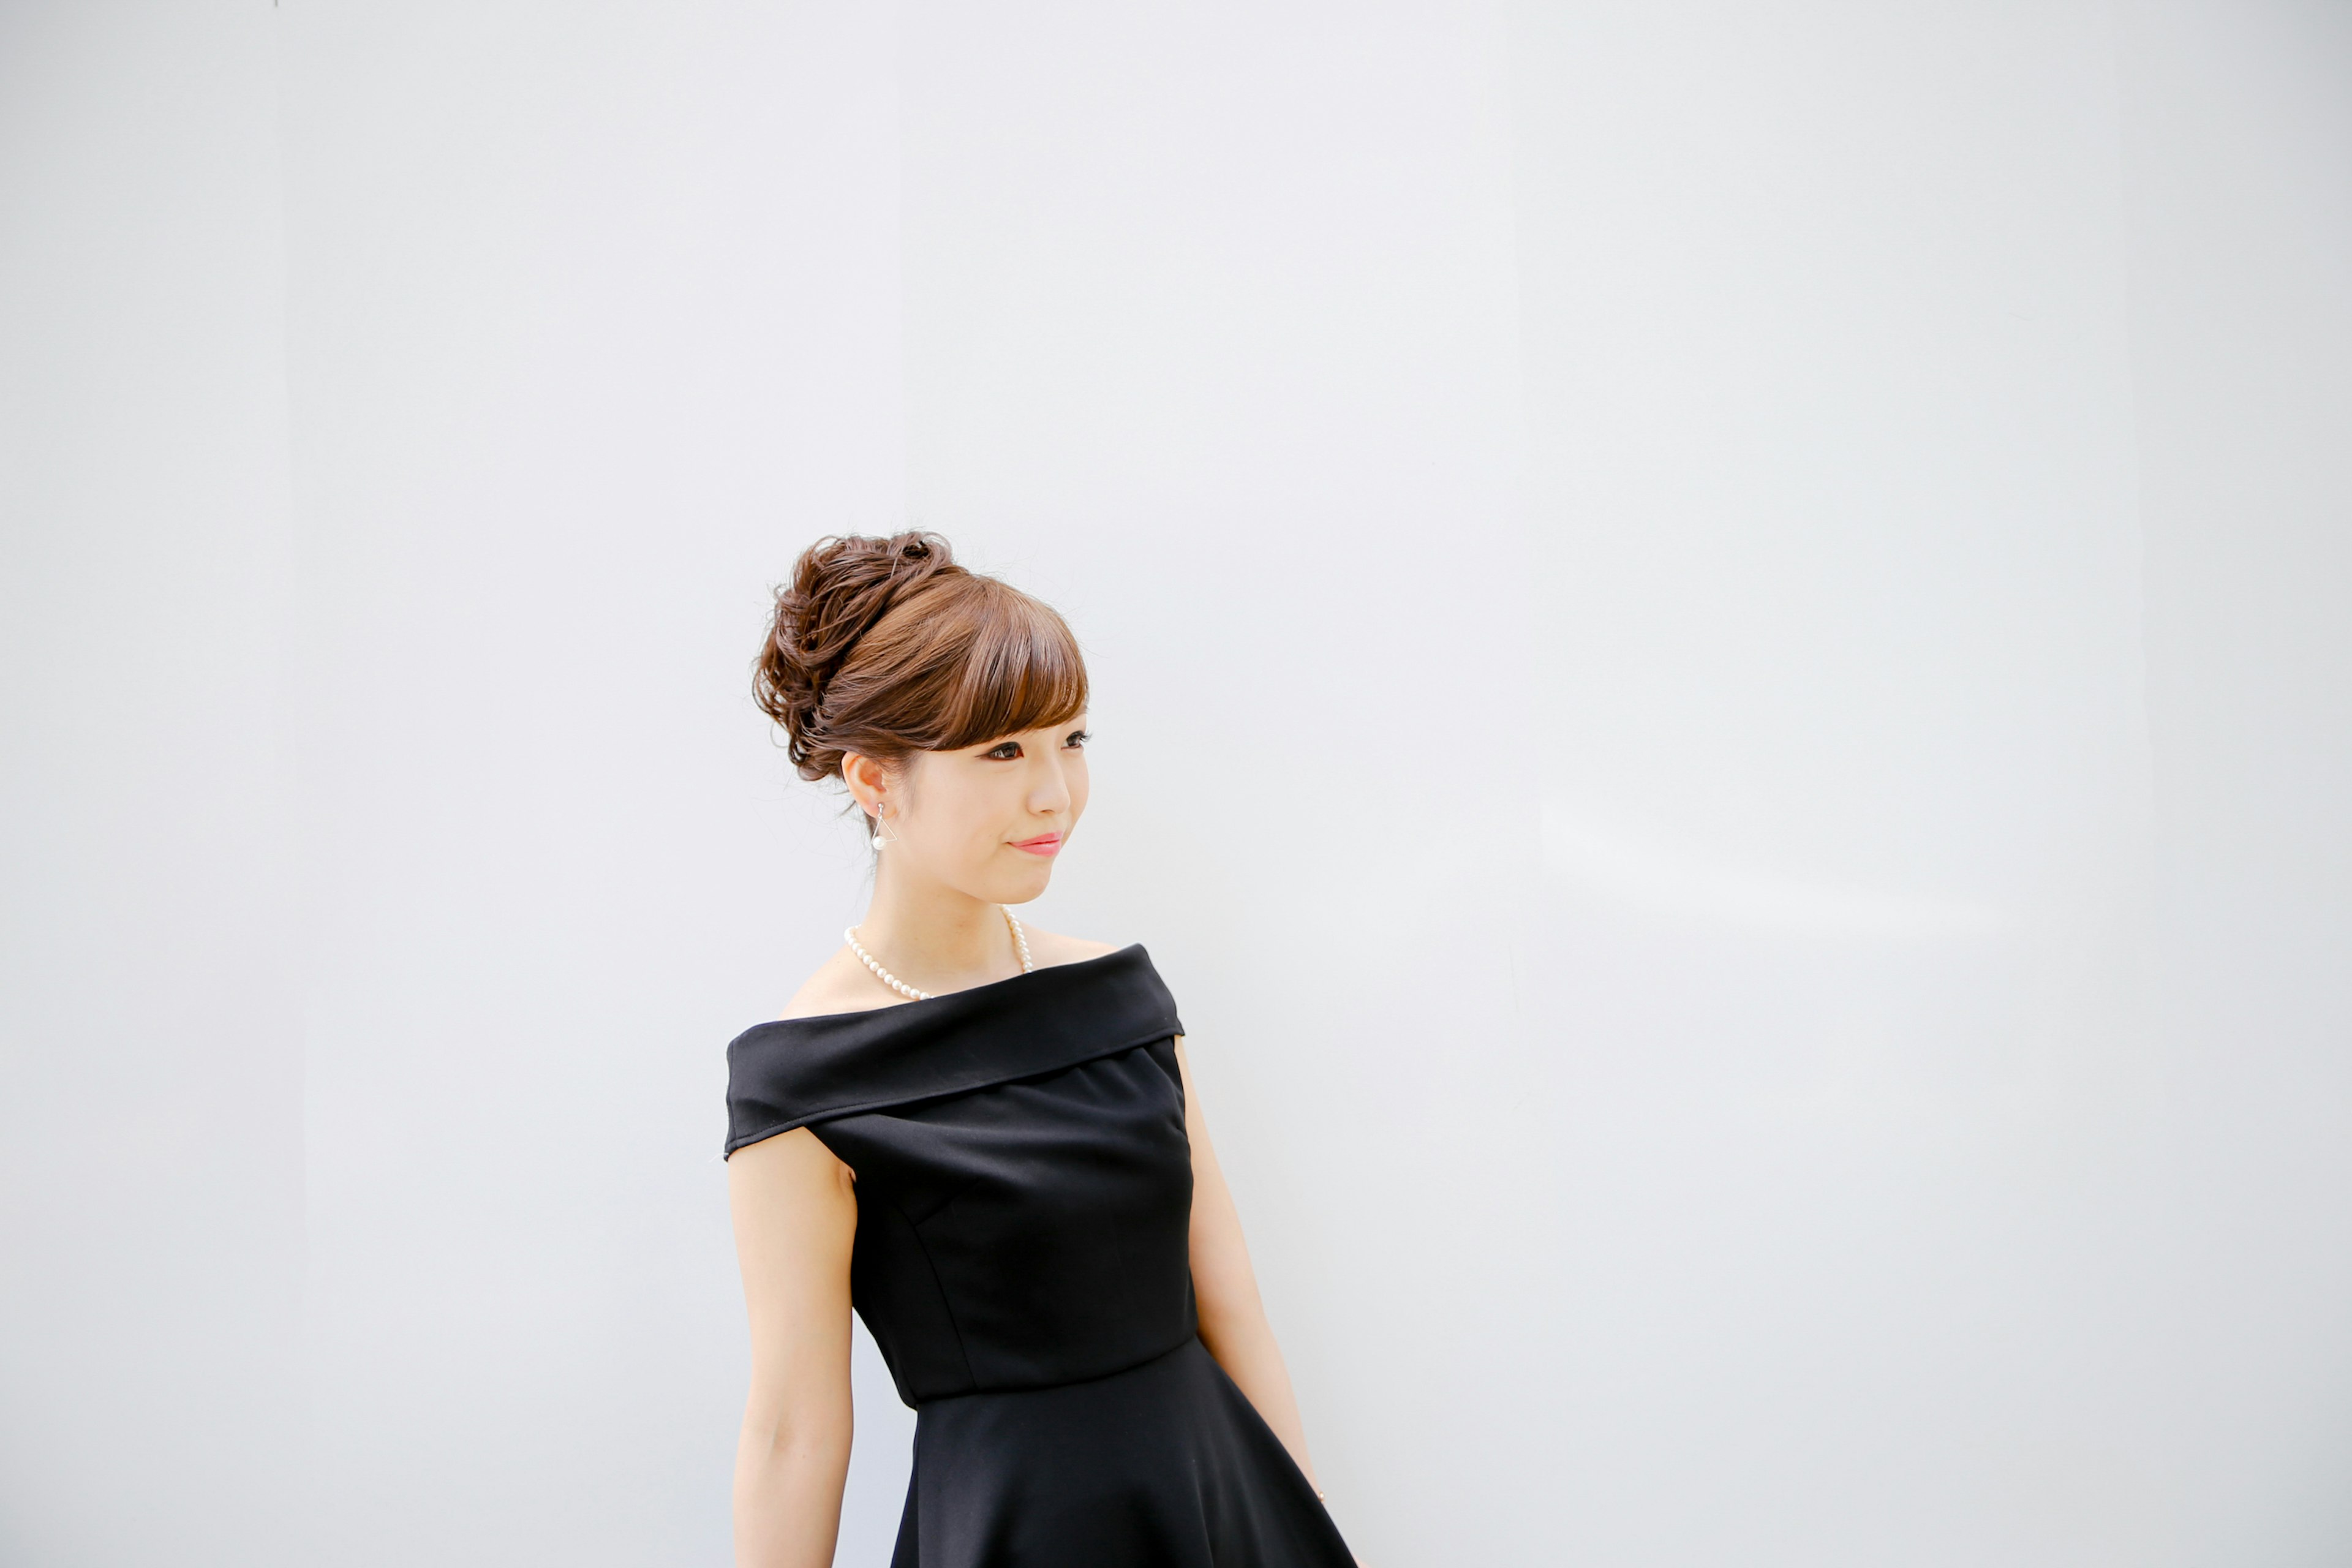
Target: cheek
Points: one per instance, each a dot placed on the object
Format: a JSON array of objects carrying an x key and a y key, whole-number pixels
[{"x": 984, "y": 808}]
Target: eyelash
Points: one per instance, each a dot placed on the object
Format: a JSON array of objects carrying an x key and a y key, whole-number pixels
[{"x": 1080, "y": 736}]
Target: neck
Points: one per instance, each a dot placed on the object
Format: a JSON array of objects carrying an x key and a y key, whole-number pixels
[{"x": 933, "y": 937}]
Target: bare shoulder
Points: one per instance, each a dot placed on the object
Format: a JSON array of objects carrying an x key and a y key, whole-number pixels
[
  {"x": 1051, "y": 947},
  {"x": 841, "y": 985}
]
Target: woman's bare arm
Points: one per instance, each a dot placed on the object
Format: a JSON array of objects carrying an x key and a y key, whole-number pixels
[
  {"x": 1233, "y": 1318},
  {"x": 795, "y": 1214}
]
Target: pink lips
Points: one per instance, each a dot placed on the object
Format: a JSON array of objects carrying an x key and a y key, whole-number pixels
[{"x": 1044, "y": 843}]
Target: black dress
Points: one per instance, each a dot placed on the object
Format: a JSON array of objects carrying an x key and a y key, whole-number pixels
[{"x": 1024, "y": 1193}]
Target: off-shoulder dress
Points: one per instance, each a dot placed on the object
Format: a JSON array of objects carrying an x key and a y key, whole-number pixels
[{"x": 1024, "y": 1190}]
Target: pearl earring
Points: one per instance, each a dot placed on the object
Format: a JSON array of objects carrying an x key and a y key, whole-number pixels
[{"x": 878, "y": 840}]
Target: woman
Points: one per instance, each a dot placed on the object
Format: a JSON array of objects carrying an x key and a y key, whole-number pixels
[{"x": 983, "y": 1137}]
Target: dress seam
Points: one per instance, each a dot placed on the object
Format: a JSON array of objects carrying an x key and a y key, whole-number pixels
[
  {"x": 947, "y": 1302},
  {"x": 1081, "y": 1381}
]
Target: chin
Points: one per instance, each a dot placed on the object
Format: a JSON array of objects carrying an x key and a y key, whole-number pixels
[{"x": 1021, "y": 890}]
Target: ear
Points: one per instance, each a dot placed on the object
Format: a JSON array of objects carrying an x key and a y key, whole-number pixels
[{"x": 868, "y": 780}]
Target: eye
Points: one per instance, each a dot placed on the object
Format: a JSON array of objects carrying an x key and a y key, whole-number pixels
[
  {"x": 1076, "y": 738},
  {"x": 1004, "y": 750}
]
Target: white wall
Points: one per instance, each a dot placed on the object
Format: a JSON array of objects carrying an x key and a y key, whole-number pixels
[
  {"x": 1719, "y": 683},
  {"x": 2239, "y": 134},
  {"x": 151, "y": 1042},
  {"x": 1847, "y": 785}
]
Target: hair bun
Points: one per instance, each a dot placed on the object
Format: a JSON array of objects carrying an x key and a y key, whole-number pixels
[{"x": 840, "y": 587}]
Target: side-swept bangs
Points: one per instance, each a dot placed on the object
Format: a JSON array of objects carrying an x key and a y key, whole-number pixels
[{"x": 1023, "y": 672}]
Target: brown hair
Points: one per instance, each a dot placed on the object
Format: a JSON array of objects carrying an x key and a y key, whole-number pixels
[{"x": 886, "y": 647}]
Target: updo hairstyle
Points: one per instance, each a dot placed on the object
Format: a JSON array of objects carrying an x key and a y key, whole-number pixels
[{"x": 886, "y": 647}]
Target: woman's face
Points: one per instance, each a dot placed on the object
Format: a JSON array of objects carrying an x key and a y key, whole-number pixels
[{"x": 988, "y": 820}]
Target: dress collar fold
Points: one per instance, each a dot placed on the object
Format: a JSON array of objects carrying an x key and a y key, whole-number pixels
[{"x": 790, "y": 1072}]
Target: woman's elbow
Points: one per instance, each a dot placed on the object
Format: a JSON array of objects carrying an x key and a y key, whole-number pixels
[
  {"x": 1226, "y": 1314},
  {"x": 778, "y": 1429}
]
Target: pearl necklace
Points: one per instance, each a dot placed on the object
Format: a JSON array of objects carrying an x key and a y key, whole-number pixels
[{"x": 849, "y": 934}]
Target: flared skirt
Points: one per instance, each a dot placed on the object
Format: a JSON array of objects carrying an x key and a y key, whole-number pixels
[{"x": 1165, "y": 1465}]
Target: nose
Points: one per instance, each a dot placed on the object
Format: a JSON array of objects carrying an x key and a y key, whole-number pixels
[{"x": 1049, "y": 794}]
